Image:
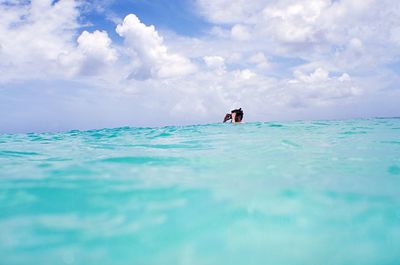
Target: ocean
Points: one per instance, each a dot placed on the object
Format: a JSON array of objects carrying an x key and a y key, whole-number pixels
[{"x": 280, "y": 193}]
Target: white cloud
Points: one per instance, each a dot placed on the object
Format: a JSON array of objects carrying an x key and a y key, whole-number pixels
[
  {"x": 319, "y": 75},
  {"x": 259, "y": 60},
  {"x": 41, "y": 40},
  {"x": 356, "y": 44},
  {"x": 32, "y": 35},
  {"x": 92, "y": 54},
  {"x": 219, "y": 32},
  {"x": 96, "y": 44},
  {"x": 216, "y": 63},
  {"x": 293, "y": 22},
  {"x": 245, "y": 74},
  {"x": 310, "y": 28},
  {"x": 344, "y": 77},
  {"x": 354, "y": 37},
  {"x": 240, "y": 32},
  {"x": 146, "y": 45},
  {"x": 320, "y": 88},
  {"x": 225, "y": 11}
]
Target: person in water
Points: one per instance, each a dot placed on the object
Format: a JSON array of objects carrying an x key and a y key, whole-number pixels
[{"x": 236, "y": 116}]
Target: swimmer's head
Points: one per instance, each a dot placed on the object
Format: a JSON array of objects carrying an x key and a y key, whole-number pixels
[{"x": 239, "y": 114}]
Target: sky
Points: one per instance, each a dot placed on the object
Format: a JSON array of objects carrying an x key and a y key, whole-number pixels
[{"x": 76, "y": 64}]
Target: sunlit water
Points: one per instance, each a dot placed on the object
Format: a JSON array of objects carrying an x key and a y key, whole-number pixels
[{"x": 325, "y": 192}]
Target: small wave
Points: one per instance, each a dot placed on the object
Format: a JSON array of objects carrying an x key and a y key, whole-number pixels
[
  {"x": 390, "y": 142},
  {"x": 290, "y": 143},
  {"x": 353, "y": 132},
  {"x": 138, "y": 160},
  {"x": 168, "y": 146},
  {"x": 321, "y": 123},
  {"x": 17, "y": 153},
  {"x": 275, "y": 125}
]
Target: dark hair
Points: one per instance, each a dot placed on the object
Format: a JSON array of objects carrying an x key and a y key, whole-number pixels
[{"x": 239, "y": 114}]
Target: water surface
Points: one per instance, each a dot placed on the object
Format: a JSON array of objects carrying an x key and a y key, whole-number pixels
[{"x": 323, "y": 192}]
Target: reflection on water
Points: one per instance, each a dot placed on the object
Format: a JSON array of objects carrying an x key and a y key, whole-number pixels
[{"x": 257, "y": 193}]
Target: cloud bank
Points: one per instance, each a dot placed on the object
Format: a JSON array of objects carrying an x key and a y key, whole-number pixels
[{"x": 280, "y": 59}]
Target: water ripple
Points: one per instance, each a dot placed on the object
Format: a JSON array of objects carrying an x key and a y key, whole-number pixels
[{"x": 319, "y": 192}]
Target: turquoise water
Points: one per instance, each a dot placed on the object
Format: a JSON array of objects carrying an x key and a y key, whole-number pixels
[{"x": 323, "y": 192}]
